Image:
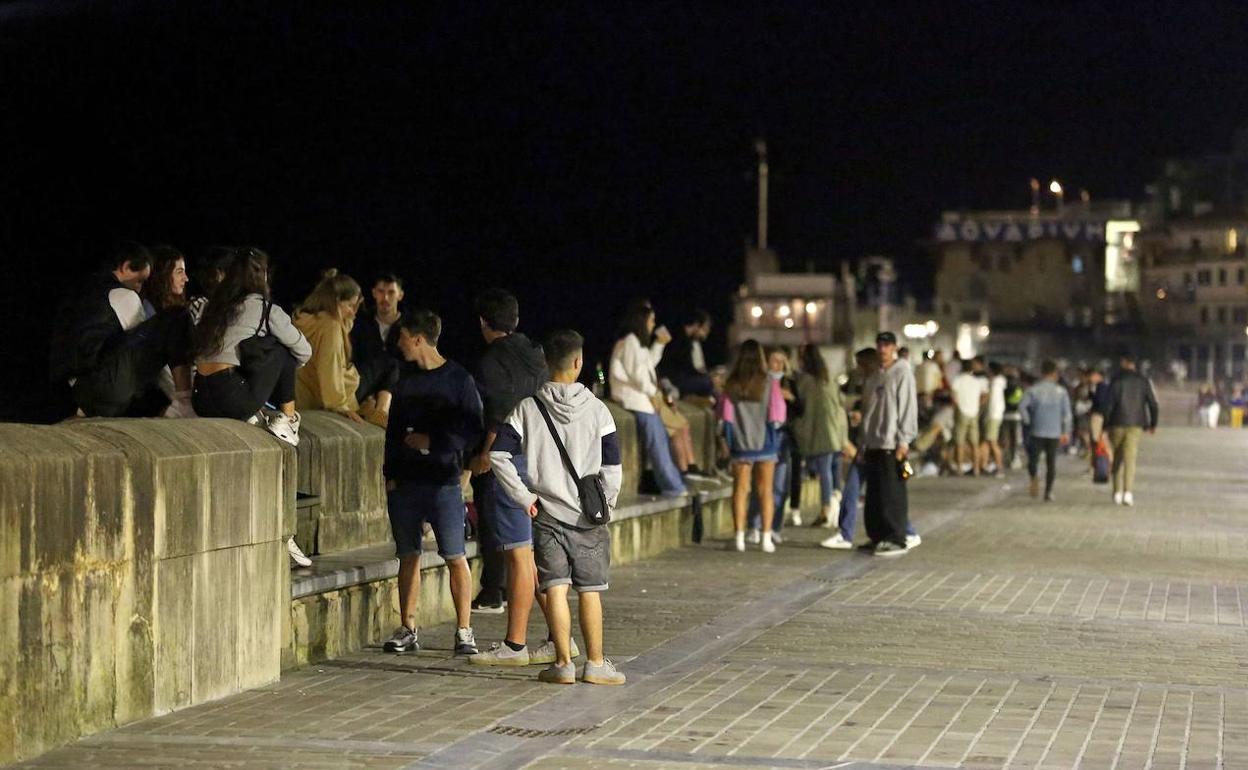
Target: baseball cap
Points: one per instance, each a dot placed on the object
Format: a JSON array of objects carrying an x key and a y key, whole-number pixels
[{"x": 886, "y": 338}]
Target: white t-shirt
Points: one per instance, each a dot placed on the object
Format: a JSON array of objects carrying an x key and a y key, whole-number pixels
[
  {"x": 996, "y": 398},
  {"x": 967, "y": 390}
]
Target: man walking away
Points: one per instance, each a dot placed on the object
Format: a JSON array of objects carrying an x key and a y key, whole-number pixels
[
  {"x": 1130, "y": 409},
  {"x": 889, "y": 424},
  {"x": 435, "y": 419},
  {"x": 1045, "y": 409},
  {"x": 570, "y": 548}
]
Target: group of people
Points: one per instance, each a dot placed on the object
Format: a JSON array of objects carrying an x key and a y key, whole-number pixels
[
  {"x": 541, "y": 449},
  {"x": 1215, "y": 399},
  {"x": 984, "y": 417}
]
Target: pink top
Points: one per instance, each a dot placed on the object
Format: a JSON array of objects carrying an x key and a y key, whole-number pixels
[{"x": 777, "y": 409}]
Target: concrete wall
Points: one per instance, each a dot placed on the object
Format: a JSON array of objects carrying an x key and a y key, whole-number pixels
[
  {"x": 340, "y": 463},
  {"x": 142, "y": 569}
]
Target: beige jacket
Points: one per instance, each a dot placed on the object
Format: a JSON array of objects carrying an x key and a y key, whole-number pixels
[{"x": 329, "y": 379}]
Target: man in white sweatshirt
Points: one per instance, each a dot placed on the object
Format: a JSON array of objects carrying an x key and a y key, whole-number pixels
[{"x": 568, "y": 547}]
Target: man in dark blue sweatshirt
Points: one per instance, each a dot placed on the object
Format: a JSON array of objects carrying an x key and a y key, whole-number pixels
[{"x": 435, "y": 420}]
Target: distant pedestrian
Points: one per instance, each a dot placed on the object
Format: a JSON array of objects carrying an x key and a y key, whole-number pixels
[
  {"x": 753, "y": 411},
  {"x": 1131, "y": 409},
  {"x": 565, "y": 425},
  {"x": 822, "y": 429},
  {"x": 1045, "y": 410},
  {"x": 788, "y": 457},
  {"x": 889, "y": 424},
  {"x": 995, "y": 416},
  {"x": 1208, "y": 406},
  {"x": 970, "y": 394}
]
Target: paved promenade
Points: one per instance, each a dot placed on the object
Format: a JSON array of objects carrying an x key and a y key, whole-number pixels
[{"x": 1019, "y": 635}]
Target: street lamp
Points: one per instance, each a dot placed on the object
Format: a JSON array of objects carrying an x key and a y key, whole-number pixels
[{"x": 1055, "y": 187}]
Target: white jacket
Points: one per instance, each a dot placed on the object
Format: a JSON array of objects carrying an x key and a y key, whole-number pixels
[{"x": 632, "y": 376}]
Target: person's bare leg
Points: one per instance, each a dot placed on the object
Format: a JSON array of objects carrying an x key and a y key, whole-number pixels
[
  {"x": 560, "y": 619},
  {"x": 995, "y": 448},
  {"x": 590, "y": 611},
  {"x": 959, "y": 453},
  {"x": 383, "y": 401},
  {"x": 521, "y": 589},
  {"x": 181, "y": 377},
  {"x": 740, "y": 494},
  {"x": 409, "y": 589},
  {"x": 764, "y": 474},
  {"x": 288, "y": 408},
  {"x": 461, "y": 590}
]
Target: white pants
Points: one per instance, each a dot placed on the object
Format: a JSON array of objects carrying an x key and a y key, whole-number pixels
[{"x": 1209, "y": 415}]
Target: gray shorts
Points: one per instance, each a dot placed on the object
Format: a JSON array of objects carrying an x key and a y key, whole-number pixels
[{"x": 569, "y": 555}]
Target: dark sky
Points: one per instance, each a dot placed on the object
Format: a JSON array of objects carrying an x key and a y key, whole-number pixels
[{"x": 580, "y": 154}]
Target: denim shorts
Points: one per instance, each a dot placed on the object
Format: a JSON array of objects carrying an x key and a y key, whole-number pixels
[
  {"x": 412, "y": 504},
  {"x": 571, "y": 555},
  {"x": 509, "y": 524}
]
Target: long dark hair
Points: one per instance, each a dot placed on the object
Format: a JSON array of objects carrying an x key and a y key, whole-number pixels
[
  {"x": 813, "y": 363},
  {"x": 158, "y": 288},
  {"x": 635, "y": 321},
  {"x": 747, "y": 381},
  {"x": 247, "y": 273}
]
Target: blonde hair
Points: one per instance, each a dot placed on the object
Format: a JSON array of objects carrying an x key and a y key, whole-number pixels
[{"x": 332, "y": 289}]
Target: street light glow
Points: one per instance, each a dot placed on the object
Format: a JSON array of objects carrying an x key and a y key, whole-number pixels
[
  {"x": 756, "y": 311},
  {"x": 788, "y": 323},
  {"x": 783, "y": 311},
  {"x": 1055, "y": 187},
  {"x": 811, "y": 308}
]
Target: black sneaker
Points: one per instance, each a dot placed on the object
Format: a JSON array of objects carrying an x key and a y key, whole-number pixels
[
  {"x": 402, "y": 640},
  {"x": 489, "y": 605},
  {"x": 889, "y": 548},
  {"x": 465, "y": 642}
]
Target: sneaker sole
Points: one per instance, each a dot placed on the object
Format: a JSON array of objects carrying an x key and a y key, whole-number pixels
[
  {"x": 409, "y": 648},
  {"x": 502, "y": 662},
  {"x": 892, "y": 554},
  {"x": 489, "y": 610},
  {"x": 466, "y": 651},
  {"x": 607, "y": 682},
  {"x": 557, "y": 681},
  {"x": 841, "y": 547}
]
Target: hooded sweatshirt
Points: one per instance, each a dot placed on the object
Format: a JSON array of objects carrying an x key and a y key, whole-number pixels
[
  {"x": 588, "y": 433},
  {"x": 511, "y": 369}
]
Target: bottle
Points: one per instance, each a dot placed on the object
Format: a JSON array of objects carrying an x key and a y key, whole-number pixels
[{"x": 600, "y": 381}]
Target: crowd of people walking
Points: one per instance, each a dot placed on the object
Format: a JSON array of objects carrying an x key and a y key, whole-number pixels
[{"x": 540, "y": 448}]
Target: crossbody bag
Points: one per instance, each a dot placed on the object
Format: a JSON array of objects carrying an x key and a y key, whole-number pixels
[{"x": 590, "y": 489}]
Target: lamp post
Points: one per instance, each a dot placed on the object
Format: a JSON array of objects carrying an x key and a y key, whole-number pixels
[{"x": 1055, "y": 187}]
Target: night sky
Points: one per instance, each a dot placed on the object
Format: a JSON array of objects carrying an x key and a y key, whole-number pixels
[{"x": 580, "y": 155}]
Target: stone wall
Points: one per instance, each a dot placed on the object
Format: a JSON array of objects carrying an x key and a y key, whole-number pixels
[
  {"x": 340, "y": 464},
  {"x": 142, "y": 569}
]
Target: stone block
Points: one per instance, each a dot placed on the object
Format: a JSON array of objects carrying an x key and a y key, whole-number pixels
[
  {"x": 215, "y": 592},
  {"x": 174, "y": 641},
  {"x": 340, "y": 462},
  {"x": 263, "y": 591}
]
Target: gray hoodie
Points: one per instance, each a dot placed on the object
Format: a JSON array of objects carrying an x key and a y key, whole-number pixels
[{"x": 587, "y": 430}]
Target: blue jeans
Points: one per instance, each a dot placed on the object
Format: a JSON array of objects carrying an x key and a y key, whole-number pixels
[
  {"x": 779, "y": 493},
  {"x": 659, "y": 451},
  {"x": 827, "y": 468},
  {"x": 850, "y": 500}
]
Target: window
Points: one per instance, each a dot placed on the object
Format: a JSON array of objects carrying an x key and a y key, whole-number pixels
[
  {"x": 1204, "y": 277},
  {"x": 1204, "y": 315},
  {"x": 1222, "y": 276},
  {"x": 1076, "y": 265},
  {"x": 1239, "y": 276},
  {"x": 1240, "y": 315},
  {"x": 1222, "y": 315},
  {"x": 1187, "y": 279}
]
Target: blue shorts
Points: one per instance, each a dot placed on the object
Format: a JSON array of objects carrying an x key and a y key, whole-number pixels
[
  {"x": 411, "y": 504},
  {"x": 509, "y": 524}
]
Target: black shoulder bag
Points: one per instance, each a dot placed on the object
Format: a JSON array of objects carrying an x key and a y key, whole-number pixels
[
  {"x": 592, "y": 494},
  {"x": 256, "y": 348}
]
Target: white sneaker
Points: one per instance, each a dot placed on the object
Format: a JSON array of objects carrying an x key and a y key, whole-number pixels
[
  {"x": 739, "y": 543},
  {"x": 754, "y": 538},
  {"x": 837, "y": 543},
  {"x": 913, "y": 541},
  {"x": 796, "y": 515},
  {"x": 1128, "y": 499},
  {"x": 776, "y": 538},
  {"x": 296, "y": 554},
  {"x": 285, "y": 428},
  {"x": 769, "y": 545},
  {"x": 256, "y": 418},
  {"x": 1118, "y": 498}
]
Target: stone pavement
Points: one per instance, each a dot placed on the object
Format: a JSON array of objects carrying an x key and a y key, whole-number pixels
[{"x": 1019, "y": 635}]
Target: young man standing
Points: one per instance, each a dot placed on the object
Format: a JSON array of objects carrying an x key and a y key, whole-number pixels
[
  {"x": 1045, "y": 410},
  {"x": 890, "y": 421},
  {"x": 110, "y": 353},
  {"x": 375, "y": 348},
  {"x": 970, "y": 392},
  {"x": 683, "y": 361},
  {"x": 511, "y": 370},
  {"x": 1130, "y": 409},
  {"x": 995, "y": 417},
  {"x": 435, "y": 420},
  {"x": 570, "y": 549}
]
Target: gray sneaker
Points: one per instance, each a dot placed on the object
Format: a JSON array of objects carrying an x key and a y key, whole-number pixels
[
  {"x": 604, "y": 674},
  {"x": 545, "y": 652},
  {"x": 558, "y": 674},
  {"x": 500, "y": 654},
  {"x": 889, "y": 548},
  {"x": 465, "y": 642},
  {"x": 402, "y": 640}
]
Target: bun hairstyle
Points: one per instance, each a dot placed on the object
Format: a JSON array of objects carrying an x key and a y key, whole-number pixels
[{"x": 332, "y": 289}]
